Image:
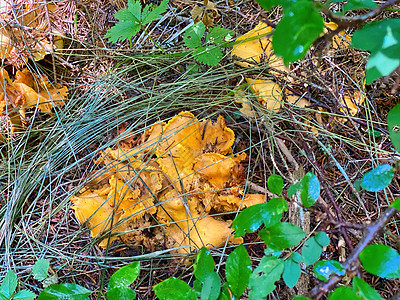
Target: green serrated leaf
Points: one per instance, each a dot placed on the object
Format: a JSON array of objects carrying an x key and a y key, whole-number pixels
[
  {"x": 124, "y": 15},
  {"x": 381, "y": 260},
  {"x": 364, "y": 291},
  {"x": 154, "y": 14},
  {"x": 67, "y": 291},
  {"x": 211, "y": 287},
  {"x": 291, "y": 273},
  {"x": 40, "y": 269},
  {"x": 209, "y": 55},
  {"x": 284, "y": 235},
  {"x": 378, "y": 178},
  {"x": 343, "y": 292},
  {"x": 124, "y": 276},
  {"x": 24, "y": 295},
  {"x": 135, "y": 8},
  {"x": 174, "y": 289},
  {"x": 251, "y": 218},
  {"x": 204, "y": 265},
  {"x": 122, "y": 31},
  {"x": 381, "y": 38},
  {"x": 310, "y": 189},
  {"x": 300, "y": 26},
  {"x": 358, "y": 4},
  {"x": 311, "y": 251},
  {"x": 301, "y": 298},
  {"x": 275, "y": 184},
  {"x": 192, "y": 37},
  {"x": 218, "y": 35},
  {"x": 325, "y": 268},
  {"x": 122, "y": 292},
  {"x": 322, "y": 239},
  {"x": 262, "y": 280},
  {"x": 238, "y": 270},
  {"x": 393, "y": 121},
  {"x": 9, "y": 284}
]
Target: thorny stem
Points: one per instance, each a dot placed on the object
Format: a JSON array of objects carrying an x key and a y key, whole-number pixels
[{"x": 352, "y": 261}]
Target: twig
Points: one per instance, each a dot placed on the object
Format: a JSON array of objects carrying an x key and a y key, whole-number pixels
[{"x": 349, "y": 265}]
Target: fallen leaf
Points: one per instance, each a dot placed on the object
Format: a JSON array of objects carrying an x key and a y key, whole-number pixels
[
  {"x": 28, "y": 33},
  {"x": 207, "y": 14}
]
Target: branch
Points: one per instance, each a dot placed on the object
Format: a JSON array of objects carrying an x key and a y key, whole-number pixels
[
  {"x": 346, "y": 22},
  {"x": 351, "y": 262}
]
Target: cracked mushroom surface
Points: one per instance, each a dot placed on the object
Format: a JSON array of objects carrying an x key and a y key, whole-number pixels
[{"x": 177, "y": 182}]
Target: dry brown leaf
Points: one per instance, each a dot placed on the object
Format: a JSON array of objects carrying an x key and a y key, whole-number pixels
[
  {"x": 349, "y": 104},
  {"x": 207, "y": 14},
  {"x": 189, "y": 176},
  {"x": 28, "y": 33}
]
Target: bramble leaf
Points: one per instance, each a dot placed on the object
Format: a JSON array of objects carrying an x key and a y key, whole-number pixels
[
  {"x": 124, "y": 276},
  {"x": 176, "y": 287},
  {"x": 310, "y": 189},
  {"x": 325, "y": 268},
  {"x": 311, "y": 251},
  {"x": 393, "y": 121},
  {"x": 211, "y": 287},
  {"x": 343, "y": 292},
  {"x": 381, "y": 260},
  {"x": 358, "y": 4},
  {"x": 204, "y": 265},
  {"x": 396, "y": 204},
  {"x": 284, "y": 235},
  {"x": 382, "y": 39},
  {"x": 364, "y": 291},
  {"x": 238, "y": 270},
  {"x": 275, "y": 184},
  {"x": 121, "y": 292},
  {"x": 251, "y": 218},
  {"x": 262, "y": 280},
  {"x": 70, "y": 291},
  {"x": 378, "y": 178},
  {"x": 322, "y": 239},
  {"x": 300, "y": 26},
  {"x": 291, "y": 273}
]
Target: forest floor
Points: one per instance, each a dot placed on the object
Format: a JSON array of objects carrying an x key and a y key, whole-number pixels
[{"x": 118, "y": 90}]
